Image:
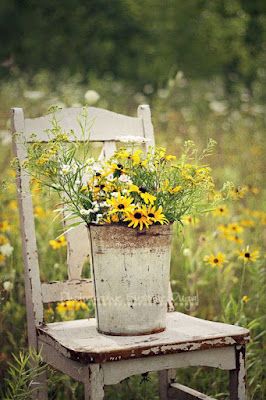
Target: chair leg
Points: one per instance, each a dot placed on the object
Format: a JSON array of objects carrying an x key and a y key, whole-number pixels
[
  {"x": 237, "y": 380},
  {"x": 42, "y": 392},
  {"x": 165, "y": 378},
  {"x": 94, "y": 384}
]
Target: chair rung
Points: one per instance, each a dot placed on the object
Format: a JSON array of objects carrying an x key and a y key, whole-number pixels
[
  {"x": 78, "y": 289},
  {"x": 186, "y": 393}
]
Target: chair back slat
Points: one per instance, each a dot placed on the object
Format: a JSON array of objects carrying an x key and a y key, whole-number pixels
[
  {"x": 105, "y": 126},
  {"x": 76, "y": 289}
]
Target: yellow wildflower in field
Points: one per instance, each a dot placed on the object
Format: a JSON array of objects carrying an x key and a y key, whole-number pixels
[
  {"x": 246, "y": 223},
  {"x": 58, "y": 243},
  {"x": 13, "y": 205},
  {"x": 174, "y": 190},
  {"x": 248, "y": 256},
  {"x": 221, "y": 211},
  {"x": 39, "y": 212},
  {"x": 245, "y": 299},
  {"x": 3, "y": 240},
  {"x": 147, "y": 197},
  {"x": 71, "y": 305},
  {"x": 216, "y": 260},
  {"x": 234, "y": 228},
  {"x": 2, "y": 259},
  {"x": 238, "y": 192},
  {"x": 234, "y": 238},
  {"x": 4, "y": 226},
  {"x": 190, "y": 220}
]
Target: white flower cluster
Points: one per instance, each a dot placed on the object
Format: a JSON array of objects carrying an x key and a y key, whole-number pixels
[{"x": 6, "y": 250}]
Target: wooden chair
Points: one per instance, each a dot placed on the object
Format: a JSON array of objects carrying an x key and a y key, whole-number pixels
[{"x": 75, "y": 347}]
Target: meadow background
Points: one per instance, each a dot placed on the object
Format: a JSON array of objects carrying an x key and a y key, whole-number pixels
[{"x": 201, "y": 66}]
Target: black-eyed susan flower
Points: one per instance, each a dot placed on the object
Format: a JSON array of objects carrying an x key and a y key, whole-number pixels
[
  {"x": 121, "y": 204},
  {"x": 156, "y": 215},
  {"x": 190, "y": 220},
  {"x": 216, "y": 260},
  {"x": 138, "y": 218},
  {"x": 248, "y": 256},
  {"x": 221, "y": 211},
  {"x": 58, "y": 243}
]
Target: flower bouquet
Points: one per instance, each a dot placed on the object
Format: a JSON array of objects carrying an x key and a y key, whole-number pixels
[{"x": 128, "y": 203}]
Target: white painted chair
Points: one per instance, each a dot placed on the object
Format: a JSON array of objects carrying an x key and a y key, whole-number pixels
[{"x": 75, "y": 347}]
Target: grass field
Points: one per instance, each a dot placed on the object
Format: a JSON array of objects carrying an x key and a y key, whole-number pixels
[{"x": 232, "y": 290}]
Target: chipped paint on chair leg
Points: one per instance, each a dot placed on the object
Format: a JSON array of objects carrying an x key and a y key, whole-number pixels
[
  {"x": 94, "y": 384},
  {"x": 237, "y": 384},
  {"x": 165, "y": 378}
]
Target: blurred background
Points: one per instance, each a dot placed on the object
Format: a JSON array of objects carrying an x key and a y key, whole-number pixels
[{"x": 201, "y": 65}]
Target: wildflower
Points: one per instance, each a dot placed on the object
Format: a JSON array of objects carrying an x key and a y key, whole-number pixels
[
  {"x": 66, "y": 169},
  {"x": 58, "y": 243},
  {"x": 4, "y": 226},
  {"x": 117, "y": 170},
  {"x": 156, "y": 215},
  {"x": 138, "y": 218},
  {"x": 6, "y": 249},
  {"x": 220, "y": 211},
  {"x": 247, "y": 223},
  {"x": 3, "y": 240},
  {"x": 2, "y": 259},
  {"x": 245, "y": 299},
  {"x": 190, "y": 220},
  {"x": 147, "y": 197},
  {"x": 71, "y": 305},
  {"x": 187, "y": 252},
  {"x": 7, "y": 285},
  {"x": 83, "y": 211},
  {"x": 215, "y": 260},
  {"x": 174, "y": 190},
  {"x": 125, "y": 179},
  {"x": 234, "y": 238},
  {"x": 248, "y": 256},
  {"x": 39, "y": 212},
  {"x": 238, "y": 192},
  {"x": 234, "y": 227},
  {"x": 120, "y": 204}
]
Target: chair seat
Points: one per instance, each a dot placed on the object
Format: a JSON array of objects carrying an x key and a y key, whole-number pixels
[{"x": 79, "y": 339}]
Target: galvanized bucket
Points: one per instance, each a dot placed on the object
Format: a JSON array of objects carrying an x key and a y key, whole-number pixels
[{"x": 130, "y": 270}]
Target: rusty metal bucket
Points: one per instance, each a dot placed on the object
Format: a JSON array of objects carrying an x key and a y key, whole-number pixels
[{"x": 131, "y": 271}]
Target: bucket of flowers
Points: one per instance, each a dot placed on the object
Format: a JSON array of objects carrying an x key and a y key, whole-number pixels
[{"x": 129, "y": 204}]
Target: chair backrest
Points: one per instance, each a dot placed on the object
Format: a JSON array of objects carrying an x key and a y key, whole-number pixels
[{"x": 105, "y": 128}]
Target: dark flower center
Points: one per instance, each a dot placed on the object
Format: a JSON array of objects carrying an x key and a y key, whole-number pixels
[
  {"x": 151, "y": 215},
  {"x": 137, "y": 215},
  {"x": 121, "y": 206},
  {"x": 215, "y": 260},
  {"x": 119, "y": 166},
  {"x": 142, "y": 189},
  {"x": 247, "y": 255},
  {"x": 97, "y": 174},
  {"x": 102, "y": 186},
  {"x": 221, "y": 210}
]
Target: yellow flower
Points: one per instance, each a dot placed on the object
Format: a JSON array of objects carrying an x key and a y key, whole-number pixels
[
  {"x": 120, "y": 204},
  {"x": 220, "y": 211},
  {"x": 215, "y": 260},
  {"x": 234, "y": 227},
  {"x": 13, "y": 205},
  {"x": 156, "y": 215},
  {"x": 174, "y": 190},
  {"x": 238, "y": 192},
  {"x": 3, "y": 240},
  {"x": 234, "y": 238},
  {"x": 58, "y": 243},
  {"x": 39, "y": 212},
  {"x": 142, "y": 191},
  {"x": 169, "y": 157},
  {"x": 71, "y": 305},
  {"x": 2, "y": 259},
  {"x": 247, "y": 223},
  {"x": 190, "y": 220},
  {"x": 147, "y": 197},
  {"x": 245, "y": 299},
  {"x": 248, "y": 256},
  {"x": 4, "y": 226},
  {"x": 138, "y": 218}
]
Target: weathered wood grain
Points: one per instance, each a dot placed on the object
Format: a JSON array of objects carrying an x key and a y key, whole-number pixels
[{"x": 77, "y": 289}]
